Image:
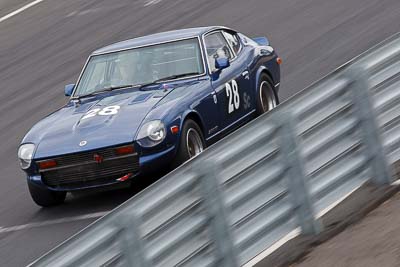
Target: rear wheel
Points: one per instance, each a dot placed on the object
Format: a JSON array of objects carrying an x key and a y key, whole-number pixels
[
  {"x": 191, "y": 142},
  {"x": 44, "y": 197},
  {"x": 266, "y": 99}
]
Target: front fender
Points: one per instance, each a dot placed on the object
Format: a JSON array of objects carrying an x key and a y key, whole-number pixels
[{"x": 198, "y": 119}]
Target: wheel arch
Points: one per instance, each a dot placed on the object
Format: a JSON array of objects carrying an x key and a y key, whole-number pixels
[
  {"x": 265, "y": 70},
  {"x": 195, "y": 116}
]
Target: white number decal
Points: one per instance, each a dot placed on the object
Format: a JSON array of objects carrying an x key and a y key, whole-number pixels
[
  {"x": 110, "y": 110},
  {"x": 91, "y": 113},
  {"x": 236, "y": 97},
  {"x": 232, "y": 92},
  {"x": 229, "y": 94}
]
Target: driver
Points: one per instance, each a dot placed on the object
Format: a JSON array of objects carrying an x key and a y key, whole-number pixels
[{"x": 123, "y": 71}]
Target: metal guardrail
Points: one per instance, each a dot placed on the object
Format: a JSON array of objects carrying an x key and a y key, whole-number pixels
[{"x": 270, "y": 180}]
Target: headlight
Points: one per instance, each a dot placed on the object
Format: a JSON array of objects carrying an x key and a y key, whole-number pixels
[
  {"x": 25, "y": 154},
  {"x": 152, "y": 133}
]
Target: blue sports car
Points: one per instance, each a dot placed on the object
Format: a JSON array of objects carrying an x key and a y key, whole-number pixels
[{"x": 147, "y": 104}]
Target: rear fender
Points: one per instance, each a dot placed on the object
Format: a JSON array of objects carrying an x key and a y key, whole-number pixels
[
  {"x": 263, "y": 69},
  {"x": 261, "y": 41}
]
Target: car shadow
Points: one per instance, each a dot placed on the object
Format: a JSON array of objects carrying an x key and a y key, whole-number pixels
[{"x": 92, "y": 201}]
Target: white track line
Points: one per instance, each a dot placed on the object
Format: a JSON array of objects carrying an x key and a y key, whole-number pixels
[
  {"x": 51, "y": 222},
  {"x": 337, "y": 202},
  {"x": 152, "y": 2},
  {"x": 12, "y": 14},
  {"x": 272, "y": 248},
  {"x": 397, "y": 182}
]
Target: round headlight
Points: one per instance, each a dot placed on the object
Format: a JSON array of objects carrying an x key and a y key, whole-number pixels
[
  {"x": 151, "y": 133},
  {"x": 25, "y": 154}
]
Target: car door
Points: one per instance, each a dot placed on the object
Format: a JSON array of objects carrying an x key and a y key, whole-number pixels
[
  {"x": 231, "y": 85},
  {"x": 244, "y": 56}
]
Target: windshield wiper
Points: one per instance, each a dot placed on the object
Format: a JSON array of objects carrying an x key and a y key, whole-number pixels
[
  {"x": 176, "y": 76},
  {"x": 171, "y": 77},
  {"x": 116, "y": 87},
  {"x": 105, "y": 90}
]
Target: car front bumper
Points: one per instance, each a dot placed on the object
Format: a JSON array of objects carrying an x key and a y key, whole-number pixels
[{"x": 147, "y": 165}]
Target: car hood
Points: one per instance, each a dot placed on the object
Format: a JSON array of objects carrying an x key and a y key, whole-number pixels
[{"x": 122, "y": 114}]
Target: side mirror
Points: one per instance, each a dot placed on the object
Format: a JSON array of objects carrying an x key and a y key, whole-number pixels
[
  {"x": 261, "y": 41},
  {"x": 69, "y": 89},
  {"x": 221, "y": 63}
]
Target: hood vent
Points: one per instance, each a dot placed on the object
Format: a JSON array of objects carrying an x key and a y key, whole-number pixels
[{"x": 141, "y": 98}]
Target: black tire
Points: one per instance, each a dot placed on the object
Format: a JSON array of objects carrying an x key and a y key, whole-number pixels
[
  {"x": 44, "y": 197},
  {"x": 265, "y": 86},
  {"x": 185, "y": 150}
]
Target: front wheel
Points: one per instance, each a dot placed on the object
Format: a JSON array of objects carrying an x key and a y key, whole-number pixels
[
  {"x": 266, "y": 99},
  {"x": 191, "y": 142},
  {"x": 45, "y": 197}
]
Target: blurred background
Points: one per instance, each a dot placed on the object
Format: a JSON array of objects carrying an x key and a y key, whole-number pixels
[{"x": 45, "y": 46}]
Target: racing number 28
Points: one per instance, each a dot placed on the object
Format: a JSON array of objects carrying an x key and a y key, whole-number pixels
[
  {"x": 110, "y": 110},
  {"x": 232, "y": 92}
]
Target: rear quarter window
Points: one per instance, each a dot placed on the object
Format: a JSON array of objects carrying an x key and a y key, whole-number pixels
[{"x": 234, "y": 41}]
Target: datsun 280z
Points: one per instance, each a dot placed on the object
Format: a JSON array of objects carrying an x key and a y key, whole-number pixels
[{"x": 147, "y": 104}]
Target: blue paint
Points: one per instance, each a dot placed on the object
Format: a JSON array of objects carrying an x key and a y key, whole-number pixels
[
  {"x": 261, "y": 40},
  {"x": 69, "y": 89}
]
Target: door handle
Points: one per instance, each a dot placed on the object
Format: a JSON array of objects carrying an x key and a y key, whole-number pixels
[
  {"x": 245, "y": 74},
  {"x": 214, "y": 95}
]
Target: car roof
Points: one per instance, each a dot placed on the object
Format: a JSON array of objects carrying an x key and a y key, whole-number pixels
[{"x": 156, "y": 38}]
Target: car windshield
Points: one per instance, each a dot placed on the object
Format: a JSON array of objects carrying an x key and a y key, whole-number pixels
[{"x": 140, "y": 66}]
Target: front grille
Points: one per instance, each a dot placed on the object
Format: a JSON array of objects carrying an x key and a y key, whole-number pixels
[
  {"x": 87, "y": 156},
  {"x": 81, "y": 169}
]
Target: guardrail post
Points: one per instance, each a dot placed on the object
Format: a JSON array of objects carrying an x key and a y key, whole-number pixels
[
  {"x": 297, "y": 182},
  {"x": 131, "y": 242},
  {"x": 365, "y": 112},
  {"x": 218, "y": 215}
]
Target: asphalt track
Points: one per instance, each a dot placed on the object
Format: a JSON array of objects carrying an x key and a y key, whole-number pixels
[
  {"x": 372, "y": 242},
  {"x": 44, "y": 47}
]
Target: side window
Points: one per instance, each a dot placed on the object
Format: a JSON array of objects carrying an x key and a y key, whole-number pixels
[
  {"x": 216, "y": 46},
  {"x": 233, "y": 41},
  {"x": 246, "y": 40}
]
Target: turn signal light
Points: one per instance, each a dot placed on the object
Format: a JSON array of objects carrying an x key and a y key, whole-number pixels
[
  {"x": 47, "y": 164},
  {"x": 174, "y": 129},
  {"x": 123, "y": 150},
  {"x": 279, "y": 60}
]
